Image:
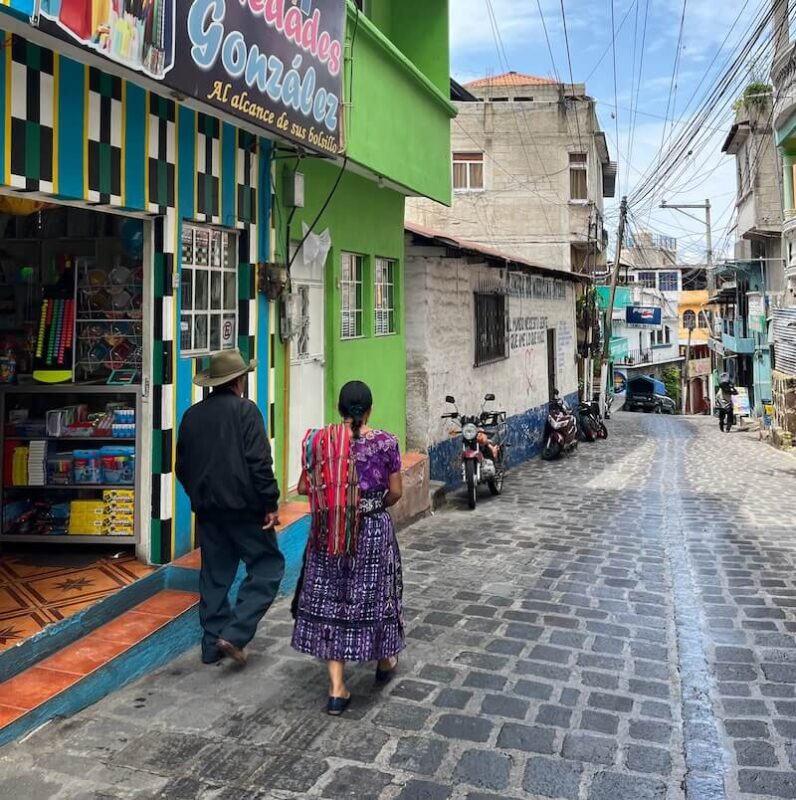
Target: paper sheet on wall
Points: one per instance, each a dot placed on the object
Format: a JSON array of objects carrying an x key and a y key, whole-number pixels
[{"x": 315, "y": 249}]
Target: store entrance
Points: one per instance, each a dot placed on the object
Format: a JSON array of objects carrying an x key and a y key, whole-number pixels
[{"x": 73, "y": 322}]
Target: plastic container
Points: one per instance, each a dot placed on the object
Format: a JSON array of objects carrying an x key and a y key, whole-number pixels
[
  {"x": 87, "y": 466},
  {"x": 118, "y": 465},
  {"x": 60, "y": 469}
]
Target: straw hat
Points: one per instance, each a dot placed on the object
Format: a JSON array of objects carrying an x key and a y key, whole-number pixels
[{"x": 224, "y": 367}]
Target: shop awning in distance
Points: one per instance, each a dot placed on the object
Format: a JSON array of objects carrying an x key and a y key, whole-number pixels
[
  {"x": 276, "y": 66},
  {"x": 467, "y": 247}
]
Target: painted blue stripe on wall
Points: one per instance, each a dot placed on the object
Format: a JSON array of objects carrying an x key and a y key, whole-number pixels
[
  {"x": 71, "y": 122},
  {"x": 229, "y": 169},
  {"x": 135, "y": 162},
  {"x": 263, "y": 252},
  {"x": 525, "y": 433},
  {"x": 186, "y": 184}
]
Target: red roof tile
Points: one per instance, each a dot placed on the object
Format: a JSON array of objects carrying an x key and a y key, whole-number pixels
[{"x": 511, "y": 79}]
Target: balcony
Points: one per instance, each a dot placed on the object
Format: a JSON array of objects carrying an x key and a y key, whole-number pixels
[
  {"x": 649, "y": 355},
  {"x": 734, "y": 338}
]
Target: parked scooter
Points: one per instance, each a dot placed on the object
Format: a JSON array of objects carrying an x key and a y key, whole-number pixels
[
  {"x": 561, "y": 430},
  {"x": 590, "y": 424},
  {"x": 483, "y": 448}
]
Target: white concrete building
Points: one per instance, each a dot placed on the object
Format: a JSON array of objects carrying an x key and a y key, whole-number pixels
[
  {"x": 479, "y": 322},
  {"x": 530, "y": 170}
]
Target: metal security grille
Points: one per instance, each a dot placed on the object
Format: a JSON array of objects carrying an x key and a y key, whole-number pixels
[
  {"x": 785, "y": 340},
  {"x": 490, "y": 328}
]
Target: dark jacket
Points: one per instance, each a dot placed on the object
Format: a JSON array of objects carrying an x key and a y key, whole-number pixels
[{"x": 224, "y": 459}]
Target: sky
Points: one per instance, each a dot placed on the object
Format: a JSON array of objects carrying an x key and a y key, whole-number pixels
[{"x": 713, "y": 31}]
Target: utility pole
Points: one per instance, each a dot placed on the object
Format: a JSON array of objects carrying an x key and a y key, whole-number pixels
[
  {"x": 706, "y": 207},
  {"x": 620, "y": 236},
  {"x": 686, "y": 381}
]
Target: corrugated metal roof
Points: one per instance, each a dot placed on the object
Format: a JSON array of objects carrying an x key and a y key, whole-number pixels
[
  {"x": 511, "y": 79},
  {"x": 446, "y": 240},
  {"x": 785, "y": 339}
]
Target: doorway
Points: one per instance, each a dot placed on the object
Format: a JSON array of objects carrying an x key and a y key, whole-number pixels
[
  {"x": 552, "y": 371},
  {"x": 307, "y": 361}
]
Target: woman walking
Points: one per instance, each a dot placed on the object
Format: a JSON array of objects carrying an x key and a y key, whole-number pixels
[{"x": 348, "y": 606}]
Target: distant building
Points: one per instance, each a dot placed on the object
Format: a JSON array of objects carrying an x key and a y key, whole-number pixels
[{"x": 530, "y": 170}]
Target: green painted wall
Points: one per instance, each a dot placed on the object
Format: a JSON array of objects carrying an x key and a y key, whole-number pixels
[
  {"x": 398, "y": 124},
  {"x": 421, "y": 30},
  {"x": 366, "y": 220}
]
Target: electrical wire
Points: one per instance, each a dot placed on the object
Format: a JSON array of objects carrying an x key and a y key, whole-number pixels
[
  {"x": 343, "y": 167},
  {"x": 571, "y": 74}
]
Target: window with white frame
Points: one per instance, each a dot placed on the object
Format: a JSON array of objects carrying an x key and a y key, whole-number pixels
[
  {"x": 384, "y": 296},
  {"x": 578, "y": 176},
  {"x": 208, "y": 290},
  {"x": 468, "y": 171},
  {"x": 669, "y": 281},
  {"x": 351, "y": 296},
  {"x": 647, "y": 279}
]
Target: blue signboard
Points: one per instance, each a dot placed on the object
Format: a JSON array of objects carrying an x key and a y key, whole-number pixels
[{"x": 643, "y": 316}]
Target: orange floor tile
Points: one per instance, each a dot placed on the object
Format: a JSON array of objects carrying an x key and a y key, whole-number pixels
[{"x": 39, "y": 589}]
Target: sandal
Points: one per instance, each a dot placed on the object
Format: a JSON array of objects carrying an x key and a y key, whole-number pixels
[
  {"x": 337, "y": 705},
  {"x": 386, "y": 675}
]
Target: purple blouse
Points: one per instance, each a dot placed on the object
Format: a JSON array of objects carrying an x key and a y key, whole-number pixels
[{"x": 378, "y": 456}]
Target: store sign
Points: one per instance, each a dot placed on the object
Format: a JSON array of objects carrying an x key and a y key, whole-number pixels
[
  {"x": 699, "y": 368},
  {"x": 644, "y": 316},
  {"x": 740, "y": 402},
  {"x": 277, "y": 64}
]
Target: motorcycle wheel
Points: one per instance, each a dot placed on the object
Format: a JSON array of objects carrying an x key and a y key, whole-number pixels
[
  {"x": 496, "y": 484},
  {"x": 551, "y": 451},
  {"x": 472, "y": 484},
  {"x": 603, "y": 431}
]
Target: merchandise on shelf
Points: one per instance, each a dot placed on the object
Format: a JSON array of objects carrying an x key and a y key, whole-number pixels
[
  {"x": 40, "y": 518},
  {"x": 118, "y": 465},
  {"x": 37, "y": 463},
  {"x": 87, "y": 466},
  {"x": 86, "y": 517},
  {"x": 60, "y": 469}
]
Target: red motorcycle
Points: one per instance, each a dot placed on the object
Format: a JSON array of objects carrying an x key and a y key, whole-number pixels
[{"x": 561, "y": 429}]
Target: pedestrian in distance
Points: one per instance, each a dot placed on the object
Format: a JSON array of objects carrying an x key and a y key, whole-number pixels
[
  {"x": 725, "y": 391},
  {"x": 348, "y": 605},
  {"x": 224, "y": 463}
]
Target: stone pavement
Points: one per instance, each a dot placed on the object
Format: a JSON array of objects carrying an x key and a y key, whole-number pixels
[{"x": 618, "y": 626}]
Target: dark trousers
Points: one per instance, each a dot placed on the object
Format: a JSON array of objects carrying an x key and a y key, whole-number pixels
[
  {"x": 224, "y": 545},
  {"x": 726, "y": 418}
]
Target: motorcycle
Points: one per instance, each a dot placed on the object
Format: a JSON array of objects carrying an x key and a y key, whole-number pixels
[
  {"x": 561, "y": 429},
  {"x": 590, "y": 424},
  {"x": 483, "y": 448}
]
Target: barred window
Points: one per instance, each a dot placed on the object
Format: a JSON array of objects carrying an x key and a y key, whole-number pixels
[
  {"x": 351, "y": 296},
  {"x": 490, "y": 328},
  {"x": 384, "y": 299},
  {"x": 668, "y": 281},
  {"x": 208, "y": 290},
  {"x": 647, "y": 279}
]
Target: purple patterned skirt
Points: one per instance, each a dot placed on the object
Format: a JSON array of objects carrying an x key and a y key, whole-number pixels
[{"x": 349, "y": 608}]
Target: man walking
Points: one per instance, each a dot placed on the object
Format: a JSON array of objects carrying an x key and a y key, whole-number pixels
[{"x": 224, "y": 463}]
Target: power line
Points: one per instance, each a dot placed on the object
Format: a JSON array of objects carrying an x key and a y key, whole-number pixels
[
  {"x": 616, "y": 93},
  {"x": 571, "y": 74}
]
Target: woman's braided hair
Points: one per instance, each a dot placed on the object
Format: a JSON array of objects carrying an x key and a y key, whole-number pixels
[{"x": 355, "y": 402}]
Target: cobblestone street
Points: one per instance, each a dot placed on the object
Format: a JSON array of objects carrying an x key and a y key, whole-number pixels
[{"x": 620, "y": 625}]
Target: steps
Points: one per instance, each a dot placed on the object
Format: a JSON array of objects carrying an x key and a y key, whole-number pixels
[{"x": 123, "y": 649}]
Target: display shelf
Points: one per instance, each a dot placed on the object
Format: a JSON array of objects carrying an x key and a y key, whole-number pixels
[
  {"x": 70, "y": 439},
  {"x": 39, "y": 398},
  {"x": 29, "y": 538},
  {"x": 72, "y": 487}
]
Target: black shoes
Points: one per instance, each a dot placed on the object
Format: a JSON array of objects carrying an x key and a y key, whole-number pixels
[{"x": 337, "y": 705}]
